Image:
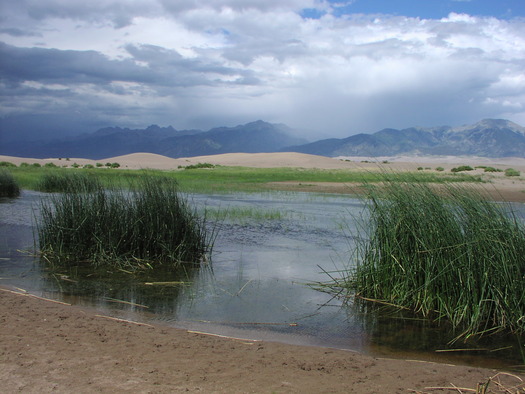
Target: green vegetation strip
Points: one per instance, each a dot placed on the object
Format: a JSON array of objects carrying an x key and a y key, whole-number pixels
[
  {"x": 448, "y": 255},
  {"x": 233, "y": 179}
]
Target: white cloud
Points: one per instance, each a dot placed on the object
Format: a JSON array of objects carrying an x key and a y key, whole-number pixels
[{"x": 196, "y": 62}]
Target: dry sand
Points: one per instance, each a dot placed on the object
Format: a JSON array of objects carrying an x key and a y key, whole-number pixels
[{"x": 51, "y": 347}]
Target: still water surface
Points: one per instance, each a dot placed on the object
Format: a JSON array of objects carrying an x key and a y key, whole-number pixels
[{"x": 256, "y": 286}]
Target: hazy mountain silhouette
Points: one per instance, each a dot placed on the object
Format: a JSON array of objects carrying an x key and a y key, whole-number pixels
[
  {"x": 489, "y": 137},
  {"x": 253, "y": 137}
]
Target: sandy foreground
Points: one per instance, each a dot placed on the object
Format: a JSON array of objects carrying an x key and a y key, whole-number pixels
[{"x": 52, "y": 347}]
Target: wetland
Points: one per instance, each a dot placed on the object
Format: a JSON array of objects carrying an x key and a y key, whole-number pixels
[{"x": 269, "y": 250}]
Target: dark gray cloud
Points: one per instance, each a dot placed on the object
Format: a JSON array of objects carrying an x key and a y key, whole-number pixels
[
  {"x": 198, "y": 63},
  {"x": 15, "y": 32},
  {"x": 59, "y": 66},
  {"x": 160, "y": 66}
]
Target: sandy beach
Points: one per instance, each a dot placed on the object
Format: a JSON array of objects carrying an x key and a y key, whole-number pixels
[{"x": 47, "y": 346}]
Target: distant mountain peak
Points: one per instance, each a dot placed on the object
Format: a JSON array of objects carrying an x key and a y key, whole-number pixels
[
  {"x": 488, "y": 137},
  {"x": 492, "y": 124}
]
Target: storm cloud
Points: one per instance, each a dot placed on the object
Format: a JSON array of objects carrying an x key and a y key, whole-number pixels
[{"x": 204, "y": 63}]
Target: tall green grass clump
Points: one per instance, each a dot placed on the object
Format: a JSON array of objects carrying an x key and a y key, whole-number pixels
[
  {"x": 446, "y": 255},
  {"x": 8, "y": 185},
  {"x": 67, "y": 181},
  {"x": 149, "y": 226}
]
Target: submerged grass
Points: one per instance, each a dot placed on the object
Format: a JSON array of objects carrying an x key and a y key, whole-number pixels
[
  {"x": 8, "y": 185},
  {"x": 446, "y": 255},
  {"x": 150, "y": 225},
  {"x": 245, "y": 214}
]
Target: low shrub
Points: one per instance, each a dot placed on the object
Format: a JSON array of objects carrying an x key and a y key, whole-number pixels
[
  {"x": 6, "y": 164},
  {"x": 492, "y": 169},
  {"x": 462, "y": 168},
  {"x": 8, "y": 185},
  {"x": 511, "y": 172},
  {"x": 199, "y": 165},
  {"x": 440, "y": 169}
]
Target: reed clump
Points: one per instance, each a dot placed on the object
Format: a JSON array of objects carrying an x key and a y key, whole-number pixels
[
  {"x": 446, "y": 255},
  {"x": 147, "y": 226},
  {"x": 8, "y": 185},
  {"x": 68, "y": 181}
]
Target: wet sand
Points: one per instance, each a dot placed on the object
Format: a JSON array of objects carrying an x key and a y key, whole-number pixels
[{"x": 51, "y": 347}]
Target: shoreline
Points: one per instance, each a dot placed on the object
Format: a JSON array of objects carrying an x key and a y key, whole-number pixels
[{"x": 46, "y": 344}]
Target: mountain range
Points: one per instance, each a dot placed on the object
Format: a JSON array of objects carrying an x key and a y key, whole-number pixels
[{"x": 488, "y": 138}]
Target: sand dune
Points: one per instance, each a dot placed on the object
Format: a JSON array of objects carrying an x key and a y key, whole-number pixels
[{"x": 144, "y": 160}]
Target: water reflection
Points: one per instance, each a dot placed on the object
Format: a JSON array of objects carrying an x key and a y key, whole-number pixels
[{"x": 255, "y": 287}]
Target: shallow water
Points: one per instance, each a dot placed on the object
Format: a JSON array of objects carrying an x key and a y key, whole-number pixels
[{"x": 256, "y": 286}]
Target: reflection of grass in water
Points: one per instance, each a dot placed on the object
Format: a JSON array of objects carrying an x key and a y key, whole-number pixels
[
  {"x": 245, "y": 214},
  {"x": 153, "y": 291}
]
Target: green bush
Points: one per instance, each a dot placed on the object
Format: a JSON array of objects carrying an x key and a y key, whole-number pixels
[
  {"x": 8, "y": 185},
  {"x": 199, "y": 165},
  {"x": 440, "y": 169},
  {"x": 511, "y": 172},
  {"x": 462, "y": 168},
  {"x": 50, "y": 165},
  {"x": 492, "y": 169},
  {"x": 6, "y": 164}
]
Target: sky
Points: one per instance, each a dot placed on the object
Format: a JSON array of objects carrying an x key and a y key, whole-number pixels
[{"x": 325, "y": 68}]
